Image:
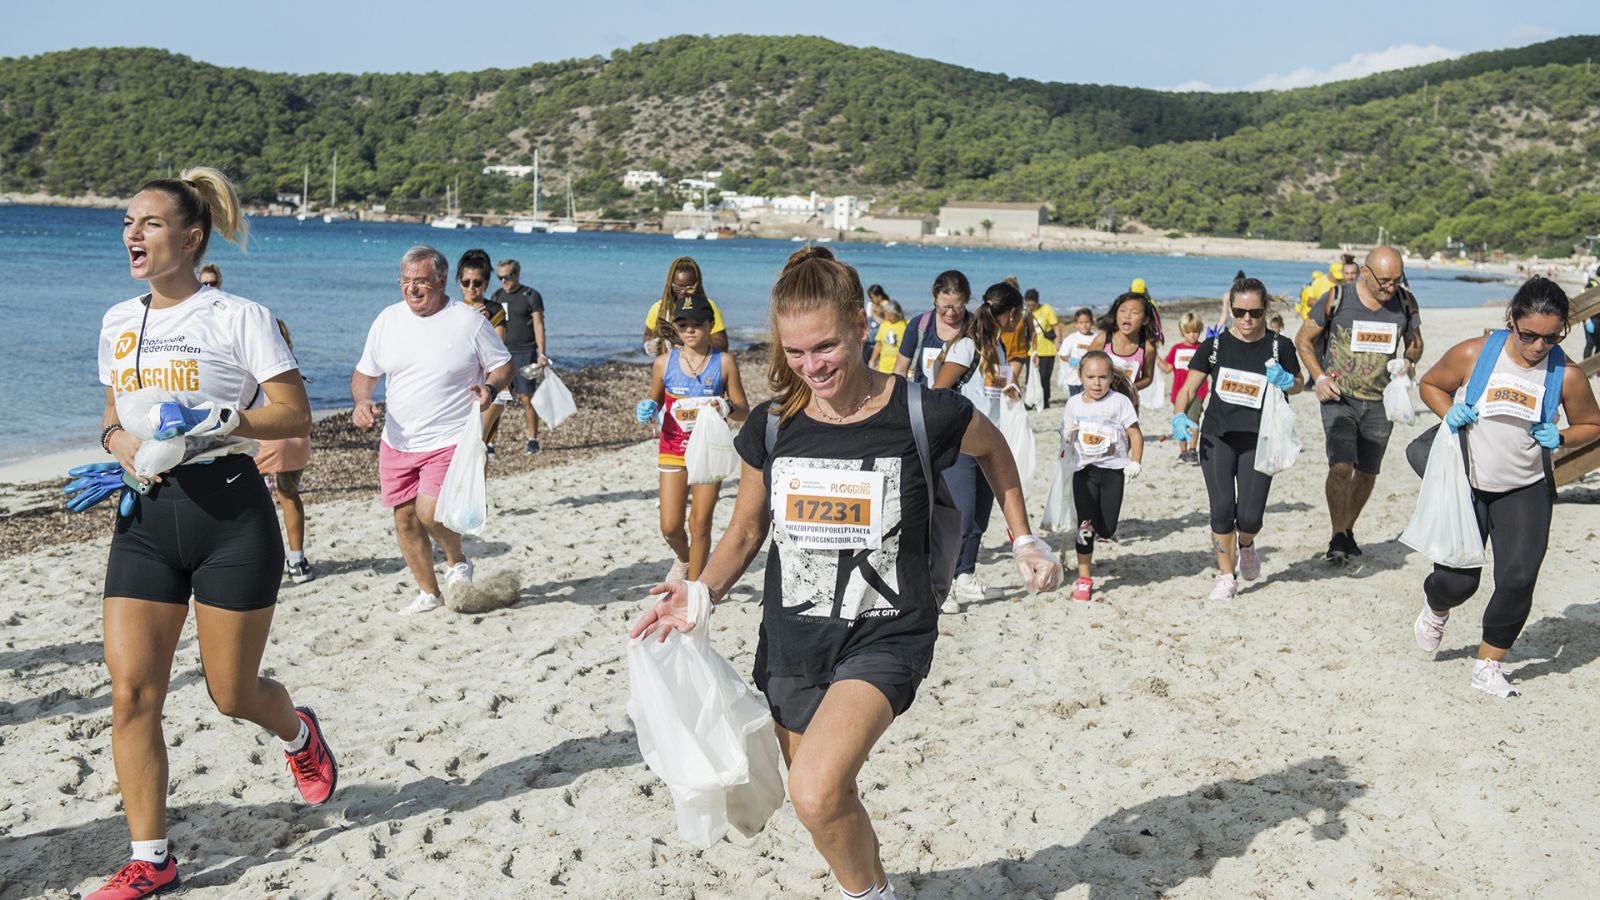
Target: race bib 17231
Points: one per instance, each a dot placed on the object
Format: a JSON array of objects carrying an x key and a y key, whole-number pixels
[
  {"x": 1241, "y": 388},
  {"x": 829, "y": 509},
  {"x": 1373, "y": 337},
  {"x": 1508, "y": 395}
]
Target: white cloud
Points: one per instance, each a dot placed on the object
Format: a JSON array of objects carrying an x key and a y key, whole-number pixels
[{"x": 1400, "y": 56}]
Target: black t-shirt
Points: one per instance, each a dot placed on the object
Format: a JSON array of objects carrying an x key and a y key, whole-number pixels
[
  {"x": 1248, "y": 357},
  {"x": 823, "y": 606},
  {"x": 520, "y": 306}
]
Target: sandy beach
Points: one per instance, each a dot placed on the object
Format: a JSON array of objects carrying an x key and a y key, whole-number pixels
[{"x": 1290, "y": 743}]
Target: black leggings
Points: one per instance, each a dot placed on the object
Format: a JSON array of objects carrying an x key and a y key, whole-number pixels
[
  {"x": 1047, "y": 365},
  {"x": 1097, "y": 495},
  {"x": 1518, "y": 522},
  {"x": 1238, "y": 492}
]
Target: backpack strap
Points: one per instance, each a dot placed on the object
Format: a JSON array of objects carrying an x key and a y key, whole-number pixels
[
  {"x": 1331, "y": 301},
  {"x": 1484, "y": 367},
  {"x": 1554, "y": 374},
  {"x": 919, "y": 433},
  {"x": 772, "y": 428},
  {"x": 921, "y": 325}
]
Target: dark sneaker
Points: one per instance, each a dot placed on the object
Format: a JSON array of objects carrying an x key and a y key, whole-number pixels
[
  {"x": 315, "y": 771},
  {"x": 299, "y": 572},
  {"x": 139, "y": 879},
  {"x": 533, "y": 447},
  {"x": 1336, "y": 549},
  {"x": 1350, "y": 543},
  {"x": 488, "y": 449}
]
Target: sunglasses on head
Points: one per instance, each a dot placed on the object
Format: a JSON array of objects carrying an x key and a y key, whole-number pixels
[
  {"x": 1529, "y": 337},
  {"x": 1256, "y": 313}
]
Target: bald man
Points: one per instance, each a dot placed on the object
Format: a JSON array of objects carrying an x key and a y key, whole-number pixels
[{"x": 1346, "y": 345}]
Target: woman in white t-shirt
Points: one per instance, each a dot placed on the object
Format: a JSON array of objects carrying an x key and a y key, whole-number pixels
[
  {"x": 975, "y": 364},
  {"x": 184, "y": 363}
]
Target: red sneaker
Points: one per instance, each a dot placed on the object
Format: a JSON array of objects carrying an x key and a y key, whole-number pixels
[
  {"x": 315, "y": 771},
  {"x": 1083, "y": 590},
  {"x": 139, "y": 879}
]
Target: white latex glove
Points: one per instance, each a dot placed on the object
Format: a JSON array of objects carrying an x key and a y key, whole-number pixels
[
  {"x": 156, "y": 457},
  {"x": 1132, "y": 469},
  {"x": 676, "y": 605},
  {"x": 724, "y": 406},
  {"x": 1040, "y": 570}
]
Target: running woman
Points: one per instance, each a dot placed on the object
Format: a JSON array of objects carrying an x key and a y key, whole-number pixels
[
  {"x": 692, "y": 380},
  {"x": 1176, "y": 364},
  {"x": 1509, "y": 441},
  {"x": 209, "y": 531},
  {"x": 1129, "y": 333},
  {"x": 849, "y": 620},
  {"x": 1240, "y": 363},
  {"x": 975, "y": 364},
  {"x": 1103, "y": 424}
]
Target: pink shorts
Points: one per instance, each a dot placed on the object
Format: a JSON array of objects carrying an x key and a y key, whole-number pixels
[{"x": 402, "y": 476}]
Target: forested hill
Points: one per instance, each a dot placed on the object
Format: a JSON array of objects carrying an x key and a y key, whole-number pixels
[{"x": 1499, "y": 147}]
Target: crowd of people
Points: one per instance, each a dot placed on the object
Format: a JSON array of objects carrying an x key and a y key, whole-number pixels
[{"x": 870, "y": 476}]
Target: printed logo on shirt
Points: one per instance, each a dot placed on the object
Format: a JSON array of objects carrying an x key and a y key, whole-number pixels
[
  {"x": 178, "y": 375},
  {"x": 125, "y": 342}
]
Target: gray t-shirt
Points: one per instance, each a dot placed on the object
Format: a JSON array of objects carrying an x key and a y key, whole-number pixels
[{"x": 1359, "y": 342}]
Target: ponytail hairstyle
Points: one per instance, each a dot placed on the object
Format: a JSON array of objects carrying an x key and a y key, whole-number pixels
[
  {"x": 811, "y": 280},
  {"x": 952, "y": 281},
  {"x": 1119, "y": 381},
  {"x": 983, "y": 327},
  {"x": 478, "y": 260},
  {"x": 288, "y": 341},
  {"x": 1248, "y": 285},
  {"x": 206, "y": 199},
  {"x": 1148, "y": 332},
  {"x": 663, "y": 327},
  {"x": 1539, "y": 296}
]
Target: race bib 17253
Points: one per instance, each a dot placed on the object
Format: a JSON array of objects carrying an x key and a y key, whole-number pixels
[{"x": 1373, "y": 337}]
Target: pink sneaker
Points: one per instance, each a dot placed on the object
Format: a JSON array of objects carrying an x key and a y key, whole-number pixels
[{"x": 1083, "y": 590}]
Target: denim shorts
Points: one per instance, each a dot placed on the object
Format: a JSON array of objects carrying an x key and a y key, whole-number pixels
[{"x": 1357, "y": 431}]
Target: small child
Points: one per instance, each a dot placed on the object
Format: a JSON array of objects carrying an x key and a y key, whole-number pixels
[
  {"x": 1104, "y": 425},
  {"x": 1072, "y": 348},
  {"x": 1176, "y": 364},
  {"x": 1275, "y": 324}
]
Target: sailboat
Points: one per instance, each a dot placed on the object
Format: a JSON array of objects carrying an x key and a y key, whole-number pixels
[
  {"x": 332, "y": 214},
  {"x": 305, "y": 195},
  {"x": 451, "y": 219},
  {"x": 530, "y": 224},
  {"x": 567, "y": 225}
]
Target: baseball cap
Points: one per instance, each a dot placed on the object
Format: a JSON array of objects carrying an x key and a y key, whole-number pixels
[{"x": 694, "y": 308}]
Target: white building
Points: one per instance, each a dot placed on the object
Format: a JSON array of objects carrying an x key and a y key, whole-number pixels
[
  {"x": 696, "y": 184},
  {"x": 846, "y": 209},
  {"x": 639, "y": 179},
  {"x": 743, "y": 202},
  {"x": 511, "y": 171},
  {"x": 1006, "y": 221},
  {"x": 796, "y": 205}
]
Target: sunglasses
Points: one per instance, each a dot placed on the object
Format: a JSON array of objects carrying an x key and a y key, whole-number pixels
[
  {"x": 474, "y": 282},
  {"x": 1550, "y": 340},
  {"x": 208, "y": 283},
  {"x": 1256, "y": 313}
]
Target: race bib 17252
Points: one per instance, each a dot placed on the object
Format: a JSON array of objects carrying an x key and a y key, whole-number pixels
[
  {"x": 1241, "y": 388},
  {"x": 1508, "y": 395}
]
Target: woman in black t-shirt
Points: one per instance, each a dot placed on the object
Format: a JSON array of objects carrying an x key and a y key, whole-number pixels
[
  {"x": 1240, "y": 363},
  {"x": 850, "y": 609}
]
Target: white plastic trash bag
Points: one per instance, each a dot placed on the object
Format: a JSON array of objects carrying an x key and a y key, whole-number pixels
[
  {"x": 1033, "y": 394},
  {"x": 1154, "y": 396},
  {"x": 1019, "y": 437},
  {"x": 709, "y": 455},
  {"x": 552, "y": 401},
  {"x": 1277, "y": 445},
  {"x": 1059, "y": 512},
  {"x": 1444, "y": 527},
  {"x": 704, "y": 734},
  {"x": 463, "y": 500},
  {"x": 1397, "y": 396}
]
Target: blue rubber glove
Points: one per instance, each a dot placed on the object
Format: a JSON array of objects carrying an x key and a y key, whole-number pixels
[
  {"x": 1278, "y": 376},
  {"x": 1183, "y": 427},
  {"x": 169, "y": 420},
  {"x": 645, "y": 411},
  {"x": 1547, "y": 434},
  {"x": 1460, "y": 416},
  {"x": 95, "y": 482}
]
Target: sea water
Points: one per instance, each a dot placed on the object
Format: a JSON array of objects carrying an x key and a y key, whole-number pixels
[{"x": 62, "y": 268}]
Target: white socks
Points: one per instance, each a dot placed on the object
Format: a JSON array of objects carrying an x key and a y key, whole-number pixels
[
  {"x": 1433, "y": 617},
  {"x": 299, "y": 743},
  {"x": 881, "y": 892},
  {"x": 151, "y": 851},
  {"x": 296, "y": 557}
]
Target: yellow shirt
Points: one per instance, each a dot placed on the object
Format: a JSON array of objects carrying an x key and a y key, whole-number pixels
[
  {"x": 1044, "y": 330},
  {"x": 890, "y": 334},
  {"x": 716, "y": 316}
]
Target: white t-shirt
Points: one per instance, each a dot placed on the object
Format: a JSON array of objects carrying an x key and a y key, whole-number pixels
[
  {"x": 211, "y": 347},
  {"x": 430, "y": 364},
  {"x": 1102, "y": 425},
  {"x": 985, "y": 396},
  {"x": 1073, "y": 347}
]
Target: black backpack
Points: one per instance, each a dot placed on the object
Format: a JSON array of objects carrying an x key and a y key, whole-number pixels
[{"x": 1334, "y": 298}]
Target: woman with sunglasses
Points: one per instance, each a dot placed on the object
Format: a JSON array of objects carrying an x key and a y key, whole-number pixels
[
  {"x": 684, "y": 282},
  {"x": 472, "y": 275},
  {"x": 1239, "y": 363},
  {"x": 1509, "y": 443}
]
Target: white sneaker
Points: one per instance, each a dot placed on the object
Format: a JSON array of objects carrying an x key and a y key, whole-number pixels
[
  {"x": 1225, "y": 588},
  {"x": 679, "y": 571},
  {"x": 1487, "y": 677},
  {"x": 950, "y": 607},
  {"x": 1428, "y": 632},
  {"x": 460, "y": 573},
  {"x": 425, "y": 602},
  {"x": 1249, "y": 563},
  {"x": 968, "y": 587}
]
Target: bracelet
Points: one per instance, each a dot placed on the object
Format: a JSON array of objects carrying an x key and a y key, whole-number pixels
[{"x": 105, "y": 436}]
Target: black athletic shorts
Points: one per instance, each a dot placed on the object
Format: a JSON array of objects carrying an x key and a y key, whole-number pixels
[
  {"x": 210, "y": 530},
  {"x": 793, "y": 701}
]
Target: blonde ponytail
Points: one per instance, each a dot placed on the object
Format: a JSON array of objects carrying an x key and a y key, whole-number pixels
[{"x": 206, "y": 200}]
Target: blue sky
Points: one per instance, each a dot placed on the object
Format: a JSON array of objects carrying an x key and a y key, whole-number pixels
[{"x": 1147, "y": 44}]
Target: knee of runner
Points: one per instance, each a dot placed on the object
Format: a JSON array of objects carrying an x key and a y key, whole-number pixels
[
  {"x": 1342, "y": 469},
  {"x": 232, "y": 700},
  {"x": 671, "y": 530},
  {"x": 819, "y": 802},
  {"x": 133, "y": 699}
]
